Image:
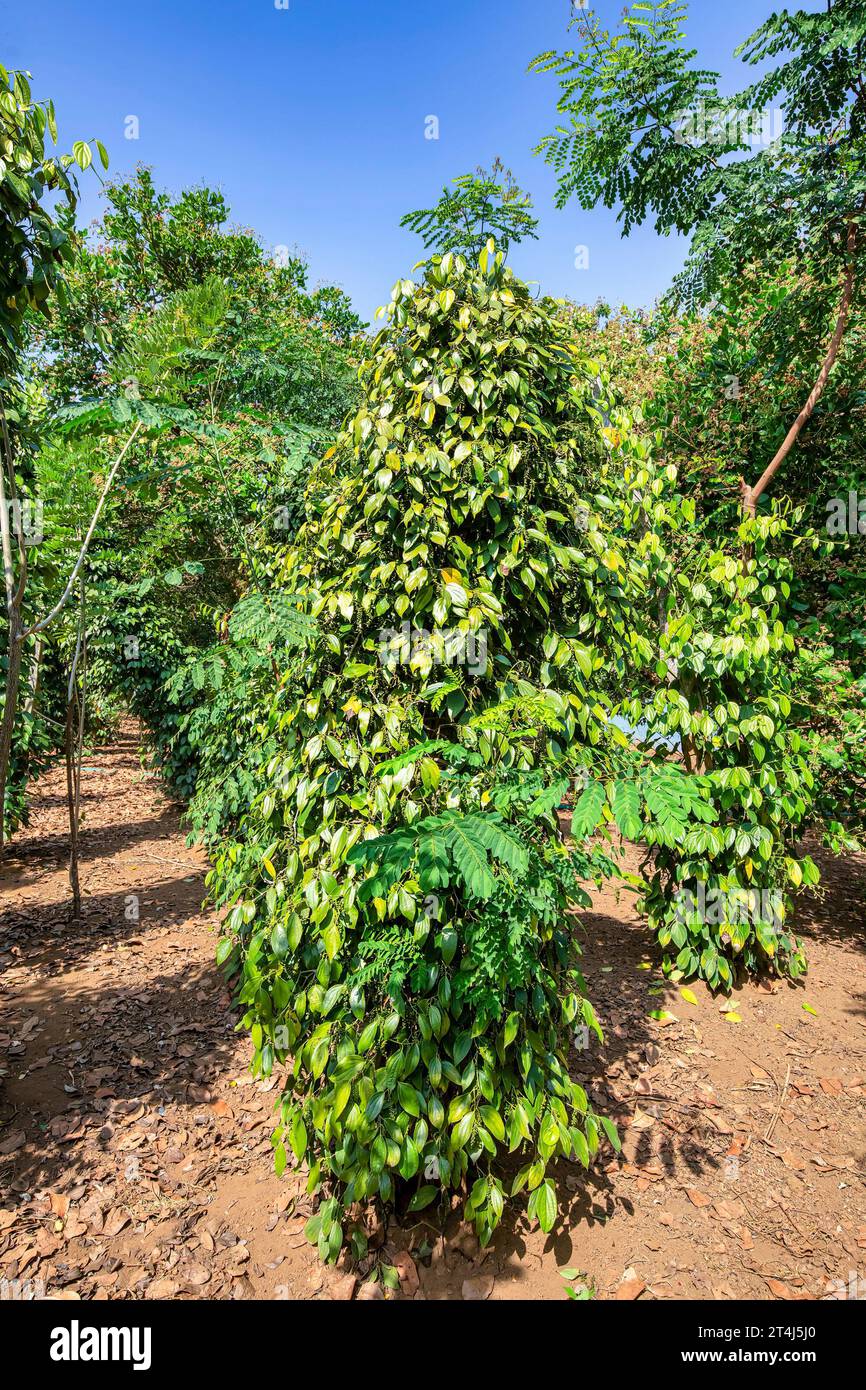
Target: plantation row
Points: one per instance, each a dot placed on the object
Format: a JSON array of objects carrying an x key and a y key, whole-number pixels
[{"x": 384, "y": 605}]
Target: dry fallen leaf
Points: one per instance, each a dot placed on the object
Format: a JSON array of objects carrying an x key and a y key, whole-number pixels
[
  {"x": 698, "y": 1199},
  {"x": 59, "y": 1204},
  {"x": 370, "y": 1291},
  {"x": 408, "y": 1272},
  {"x": 342, "y": 1289},
  {"x": 478, "y": 1289},
  {"x": 793, "y": 1160},
  {"x": 629, "y": 1290},
  {"x": 162, "y": 1288},
  {"x": 116, "y": 1221},
  {"x": 779, "y": 1289},
  {"x": 782, "y": 1291}
]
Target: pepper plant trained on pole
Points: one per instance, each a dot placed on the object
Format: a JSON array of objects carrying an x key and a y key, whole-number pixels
[{"x": 399, "y": 893}]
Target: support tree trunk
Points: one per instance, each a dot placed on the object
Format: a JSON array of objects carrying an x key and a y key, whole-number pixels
[
  {"x": 13, "y": 675},
  {"x": 72, "y": 804},
  {"x": 751, "y": 495},
  {"x": 17, "y": 632}
]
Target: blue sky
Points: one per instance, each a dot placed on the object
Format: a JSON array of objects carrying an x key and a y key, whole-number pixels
[{"x": 311, "y": 119}]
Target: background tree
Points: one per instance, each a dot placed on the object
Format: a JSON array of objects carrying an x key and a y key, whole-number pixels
[
  {"x": 476, "y": 206},
  {"x": 36, "y": 246},
  {"x": 228, "y": 371},
  {"x": 649, "y": 131},
  {"x": 150, "y": 245}
]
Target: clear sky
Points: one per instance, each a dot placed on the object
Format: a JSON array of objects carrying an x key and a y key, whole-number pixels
[{"x": 311, "y": 119}]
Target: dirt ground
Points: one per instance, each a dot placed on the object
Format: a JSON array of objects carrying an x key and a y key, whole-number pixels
[{"x": 135, "y": 1159}]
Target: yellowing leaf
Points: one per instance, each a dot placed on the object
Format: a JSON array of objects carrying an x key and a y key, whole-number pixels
[
  {"x": 663, "y": 1016},
  {"x": 810, "y": 1010},
  {"x": 732, "y": 1017},
  {"x": 689, "y": 996}
]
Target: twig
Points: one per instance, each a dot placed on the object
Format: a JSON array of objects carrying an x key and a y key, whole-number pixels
[
  {"x": 639, "y": 1096},
  {"x": 162, "y": 860},
  {"x": 782, "y": 1099}
]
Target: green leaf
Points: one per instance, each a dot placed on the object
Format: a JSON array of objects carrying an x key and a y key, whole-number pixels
[
  {"x": 470, "y": 857},
  {"x": 493, "y": 1121},
  {"x": 587, "y": 812},
  {"x": 625, "y": 805},
  {"x": 224, "y": 950},
  {"x": 611, "y": 1131},
  {"x": 581, "y": 1147},
  {"x": 279, "y": 941},
  {"x": 408, "y": 1098},
  {"x": 423, "y": 1197},
  {"x": 298, "y": 1136},
  {"x": 462, "y": 1131},
  {"x": 545, "y": 1206}
]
